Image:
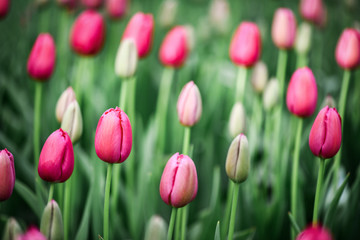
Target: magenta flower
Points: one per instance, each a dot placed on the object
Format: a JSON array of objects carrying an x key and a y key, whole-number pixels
[
  {"x": 189, "y": 105},
  {"x": 347, "y": 51},
  {"x": 179, "y": 183},
  {"x": 56, "y": 162},
  {"x": 4, "y": 7},
  {"x": 314, "y": 233},
  {"x": 283, "y": 29},
  {"x": 7, "y": 174},
  {"x": 113, "y": 137},
  {"x": 91, "y": 3},
  {"x": 312, "y": 10},
  {"x": 116, "y": 8},
  {"x": 32, "y": 233}
]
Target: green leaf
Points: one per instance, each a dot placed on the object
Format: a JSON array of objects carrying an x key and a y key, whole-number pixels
[
  {"x": 83, "y": 231},
  {"x": 294, "y": 224},
  {"x": 247, "y": 233},
  {"x": 217, "y": 231},
  {"x": 30, "y": 198}
]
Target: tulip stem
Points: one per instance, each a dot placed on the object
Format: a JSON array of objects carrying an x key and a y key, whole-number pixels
[
  {"x": 183, "y": 222},
  {"x": 67, "y": 208},
  {"x": 233, "y": 211},
  {"x": 301, "y": 60},
  {"x": 178, "y": 223},
  {"x": 124, "y": 89},
  {"x": 281, "y": 71},
  {"x": 37, "y": 113},
  {"x": 171, "y": 224},
  {"x": 318, "y": 190},
  {"x": 227, "y": 209},
  {"x": 106, "y": 202},
  {"x": 186, "y": 142},
  {"x": 51, "y": 192},
  {"x": 241, "y": 84},
  {"x": 295, "y": 171}
]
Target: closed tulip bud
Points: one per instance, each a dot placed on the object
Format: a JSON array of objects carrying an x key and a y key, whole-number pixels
[
  {"x": 156, "y": 229},
  {"x": 314, "y": 233},
  {"x": 12, "y": 230},
  {"x": 116, "y": 8},
  {"x": 179, "y": 183},
  {"x": 141, "y": 29},
  {"x": 303, "y": 38},
  {"x": 271, "y": 94},
  {"x": 67, "y": 97},
  {"x": 32, "y": 234},
  {"x": 283, "y": 29},
  {"x": 113, "y": 137},
  {"x": 51, "y": 222},
  {"x": 56, "y": 162},
  {"x": 321, "y": 21},
  {"x": 88, "y": 33},
  {"x": 4, "y": 7},
  {"x": 7, "y": 174},
  {"x": 301, "y": 96},
  {"x": 325, "y": 134},
  {"x": 219, "y": 16},
  {"x": 126, "y": 59},
  {"x": 91, "y": 3},
  {"x": 237, "y": 120},
  {"x": 41, "y": 61},
  {"x": 259, "y": 77},
  {"x": 167, "y": 13},
  {"x": 348, "y": 49},
  {"x": 72, "y": 122},
  {"x": 245, "y": 47},
  {"x": 311, "y": 10},
  {"x": 238, "y": 159},
  {"x": 190, "y": 37},
  {"x": 189, "y": 105}
]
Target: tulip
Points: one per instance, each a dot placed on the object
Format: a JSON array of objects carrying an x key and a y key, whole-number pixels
[
  {"x": 301, "y": 97},
  {"x": 174, "y": 48},
  {"x": 116, "y": 8},
  {"x": 245, "y": 45},
  {"x": 32, "y": 234},
  {"x": 141, "y": 30},
  {"x": 325, "y": 134},
  {"x": 88, "y": 33},
  {"x": 67, "y": 97},
  {"x": 91, "y": 3},
  {"x": 7, "y": 174},
  {"x": 167, "y": 12},
  {"x": 283, "y": 29},
  {"x": 259, "y": 77},
  {"x": 179, "y": 183},
  {"x": 113, "y": 137},
  {"x": 126, "y": 59},
  {"x": 67, "y": 3},
  {"x": 56, "y": 162},
  {"x": 41, "y": 61},
  {"x": 72, "y": 122},
  {"x": 314, "y": 233},
  {"x": 189, "y": 105},
  {"x": 219, "y": 15},
  {"x": 311, "y": 10},
  {"x": 303, "y": 38},
  {"x": 271, "y": 94},
  {"x": 4, "y": 7},
  {"x": 156, "y": 229},
  {"x": 51, "y": 222},
  {"x": 348, "y": 49},
  {"x": 12, "y": 230},
  {"x": 237, "y": 120}
]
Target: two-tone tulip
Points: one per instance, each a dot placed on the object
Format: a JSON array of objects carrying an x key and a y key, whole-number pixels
[
  {"x": 67, "y": 97},
  {"x": 12, "y": 230},
  {"x": 72, "y": 122},
  {"x": 283, "y": 29},
  {"x": 237, "y": 121},
  {"x": 219, "y": 16},
  {"x": 179, "y": 183},
  {"x": 156, "y": 228},
  {"x": 116, "y": 8},
  {"x": 271, "y": 94},
  {"x": 347, "y": 51},
  {"x": 259, "y": 77},
  {"x": 303, "y": 38},
  {"x": 126, "y": 59},
  {"x": 189, "y": 105},
  {"x": 314, "y": 233},
  {"x": 51, "y": 222},
  {"x": 167, "y": 13},
  {"x": 32, "y": 233},
  {"x": 91, "y": 3},
  {"x": 7, "y": 174},
  {"x": 4, "y": 7}
]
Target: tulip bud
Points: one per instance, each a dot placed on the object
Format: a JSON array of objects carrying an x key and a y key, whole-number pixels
[
  {"x": 321, "y": 21},
  {"x": 314, "y": 233},
  {"x": 7, "y": 174},
  {"x": 271, "y": 94},
  {"x": 126, "y": 59},
  {"x": 32, "y": 234},
  {"x": 116, "y": 8},
  {"x": 72, "y": 122},
  {"x": 219, "y": 15},
  {"x": 245, "y": 47},
  {"x": 41, "y": 61},
  {"x": 190, "y": 37},
  {"x": 348, "y": 49},
  {"x": 179, "y": 183},
  {"x": 51, "y": 222},
  {"x": 91, "y": 3},
  {"x": 141, "y": 30},
  {"x": 283, "y": 29},
  {"x": 4, "y": 7},
  {"x": 167, "y": 13},
  {"x": 301, "y": 96},
  {"x": 303, "y": 38},
  {"x": 328, "y": 101},
  {"x": 311, "y": 10},
  {"x": 325, "y": 134},
  {"x": 67, "y": 97},
  {"x": 70, "y": 4},
  {"x": 189, "y": 105},
  {"x": 12, "y": 230},
  {"x": 156, "y": 229},
  {"x": 259, "y": 77},
  {"x": 237, "y": 120},
  {"x": 88, "y": 33},
  {"x": 56, "y": 162},
  {"x": 113, "y": 137}
]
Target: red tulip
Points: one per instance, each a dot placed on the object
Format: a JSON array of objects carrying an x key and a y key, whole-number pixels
[
  {"x": 189, "y": 105},
  {"x": 4, "y": 7},
  {"x": 314, "y": 233},
  {"x": 245, "y": 45},
  {"x": 113, "y": 137},
  {"x": 116, "y": 8},
  {"x": 311, "y": 10},
  {"x": 348, "y": 49},
  {"x": 88, "y": 33},
  {"x": 41, "y": 61},
  {"x": 91, "y": 3},
  {"x": 32, "y": 234},
  {"x": 141, "y": 29},
  {"x": 325, "y": 134},
  {"x": 301, "y": 97},
  {"x": 174, "y": 49},
  {"x": 179, "y": 183},
  {"x": 7, "y": 174},
  {"x": 56, "y": 162},
  {"x": 283, "y": 30}
]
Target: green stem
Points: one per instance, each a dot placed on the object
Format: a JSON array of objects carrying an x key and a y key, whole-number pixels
[
  {"x": 301, "y": 60},
  {"x": 233, "y": 211},
  {"x": 37, "y": 114},
  {"x": 241, "y": 84},
  {"x": 318, "y": 190},
  {"x": 281, "y": 71},
  {"x": 67, "y": 208},
  {"x": 178, "y": 223},
  {"x": 51, "y": 192},
  {"x": 106, "y": 202},
  {"x": 295, "y": 171},
  {"x": 184, "y": 220},
  {"x": 123, "y": 91},
  {"x": 171, "y": 224},
  {"x": 225, "y": 225},
  {"x": 186, "y": 142}
]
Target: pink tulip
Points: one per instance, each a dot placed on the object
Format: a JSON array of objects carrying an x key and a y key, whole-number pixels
[
  {"x": 113, "y": 137},
  {"x": 41, "y": 61},
  {"x": 245, "y": 47},
  {"x": 91, "y": 3},
  {"x": 325, "y": 134},
  {"x": 314, "y": 233},
  {"x": 88, "y": 33},
  {"x": 348, "y": 49},
  {"x": 116, "y": 8},
  {"x": 7, "y": 174},
  {"x": 141, "y": 30},
  {"x": 301, "y": 97},
  {"x": 56, "y": 162},
  {"x": 311, "y": 10},
  {"x": 174, "y": 49},
  {"x": 179, "y": 184},
  {"x": 4, "y": 7},
  {"x": 283, "y": 30},
  {"x": 189, "y": 105},
  {"x": 32, "y": 233}
]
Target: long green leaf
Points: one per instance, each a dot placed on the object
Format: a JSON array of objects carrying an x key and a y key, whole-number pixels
[
  {"x": 248, "y": 233},
  {"x": 83, "y": 231},
  {"x": 217, "y": 231},
  {"x": 29, "y": 197},
  {"x": 294, "y": 224}
]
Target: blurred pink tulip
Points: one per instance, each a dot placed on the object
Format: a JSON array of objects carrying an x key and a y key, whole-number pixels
[
  {"x": 311, "y": 10},
  {"x": 4, "y": 7},
  {"x": 32, "y": 233},
  {"x": 92, "y": 3},
  {"x": 314, "y": 233},
  {"x": 116, "y": 8},
  {"x": 70, "y": 4},
  {"x": 347, "y": 51},
  {"x": 283, "y": 30},
  {"x": 189, "y": 105},
  {"x": 7, "y": 174}
]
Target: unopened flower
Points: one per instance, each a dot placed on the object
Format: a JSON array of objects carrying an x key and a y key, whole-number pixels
[
  {"x": 271, "y": 94},
  {"x": 189, "y": 105},
  {"x": 167, "y": 12},
  {"x": 67, "y": 97},
  {"x": 12, "y": 230},
  {"x": 116, "y": 8},
  {"x": 72, "y": 122},
  {"x": 219, "y": 15},
  {"x": 51, "y": 222},
  {"x": 348, "y": 49},
  {"x": 314, "y": 233},
  {"x": 156, "y": 229},
  {"x": 259, "y": 77},
  {"x": 311, "y": 10},
  {"x": 32, "y": 233},
  {"x": 7, "y": 174},
  {"x": 237, "y": 120},
  {"x": 91, "y": 3},
  {"x": 4, "y": 7},
  {"x": 283, "y": 29},
  {"x": 126, "y": 59},
  {"x": 303, "y": 38}
]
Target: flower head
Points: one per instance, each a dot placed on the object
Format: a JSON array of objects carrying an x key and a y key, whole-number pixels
[
  {"x": 7, "y": 174},
  {"x": 189, "y": 105}
]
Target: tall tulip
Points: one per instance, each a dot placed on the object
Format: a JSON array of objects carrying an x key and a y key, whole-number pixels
[
  {"x": 116, "y": 8},
  {"x": 283, "y": 29},
  {"x": 189, "y": 106},
  {"x": 311, "y": 10},
  {"x": 7, "y": 174}
]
